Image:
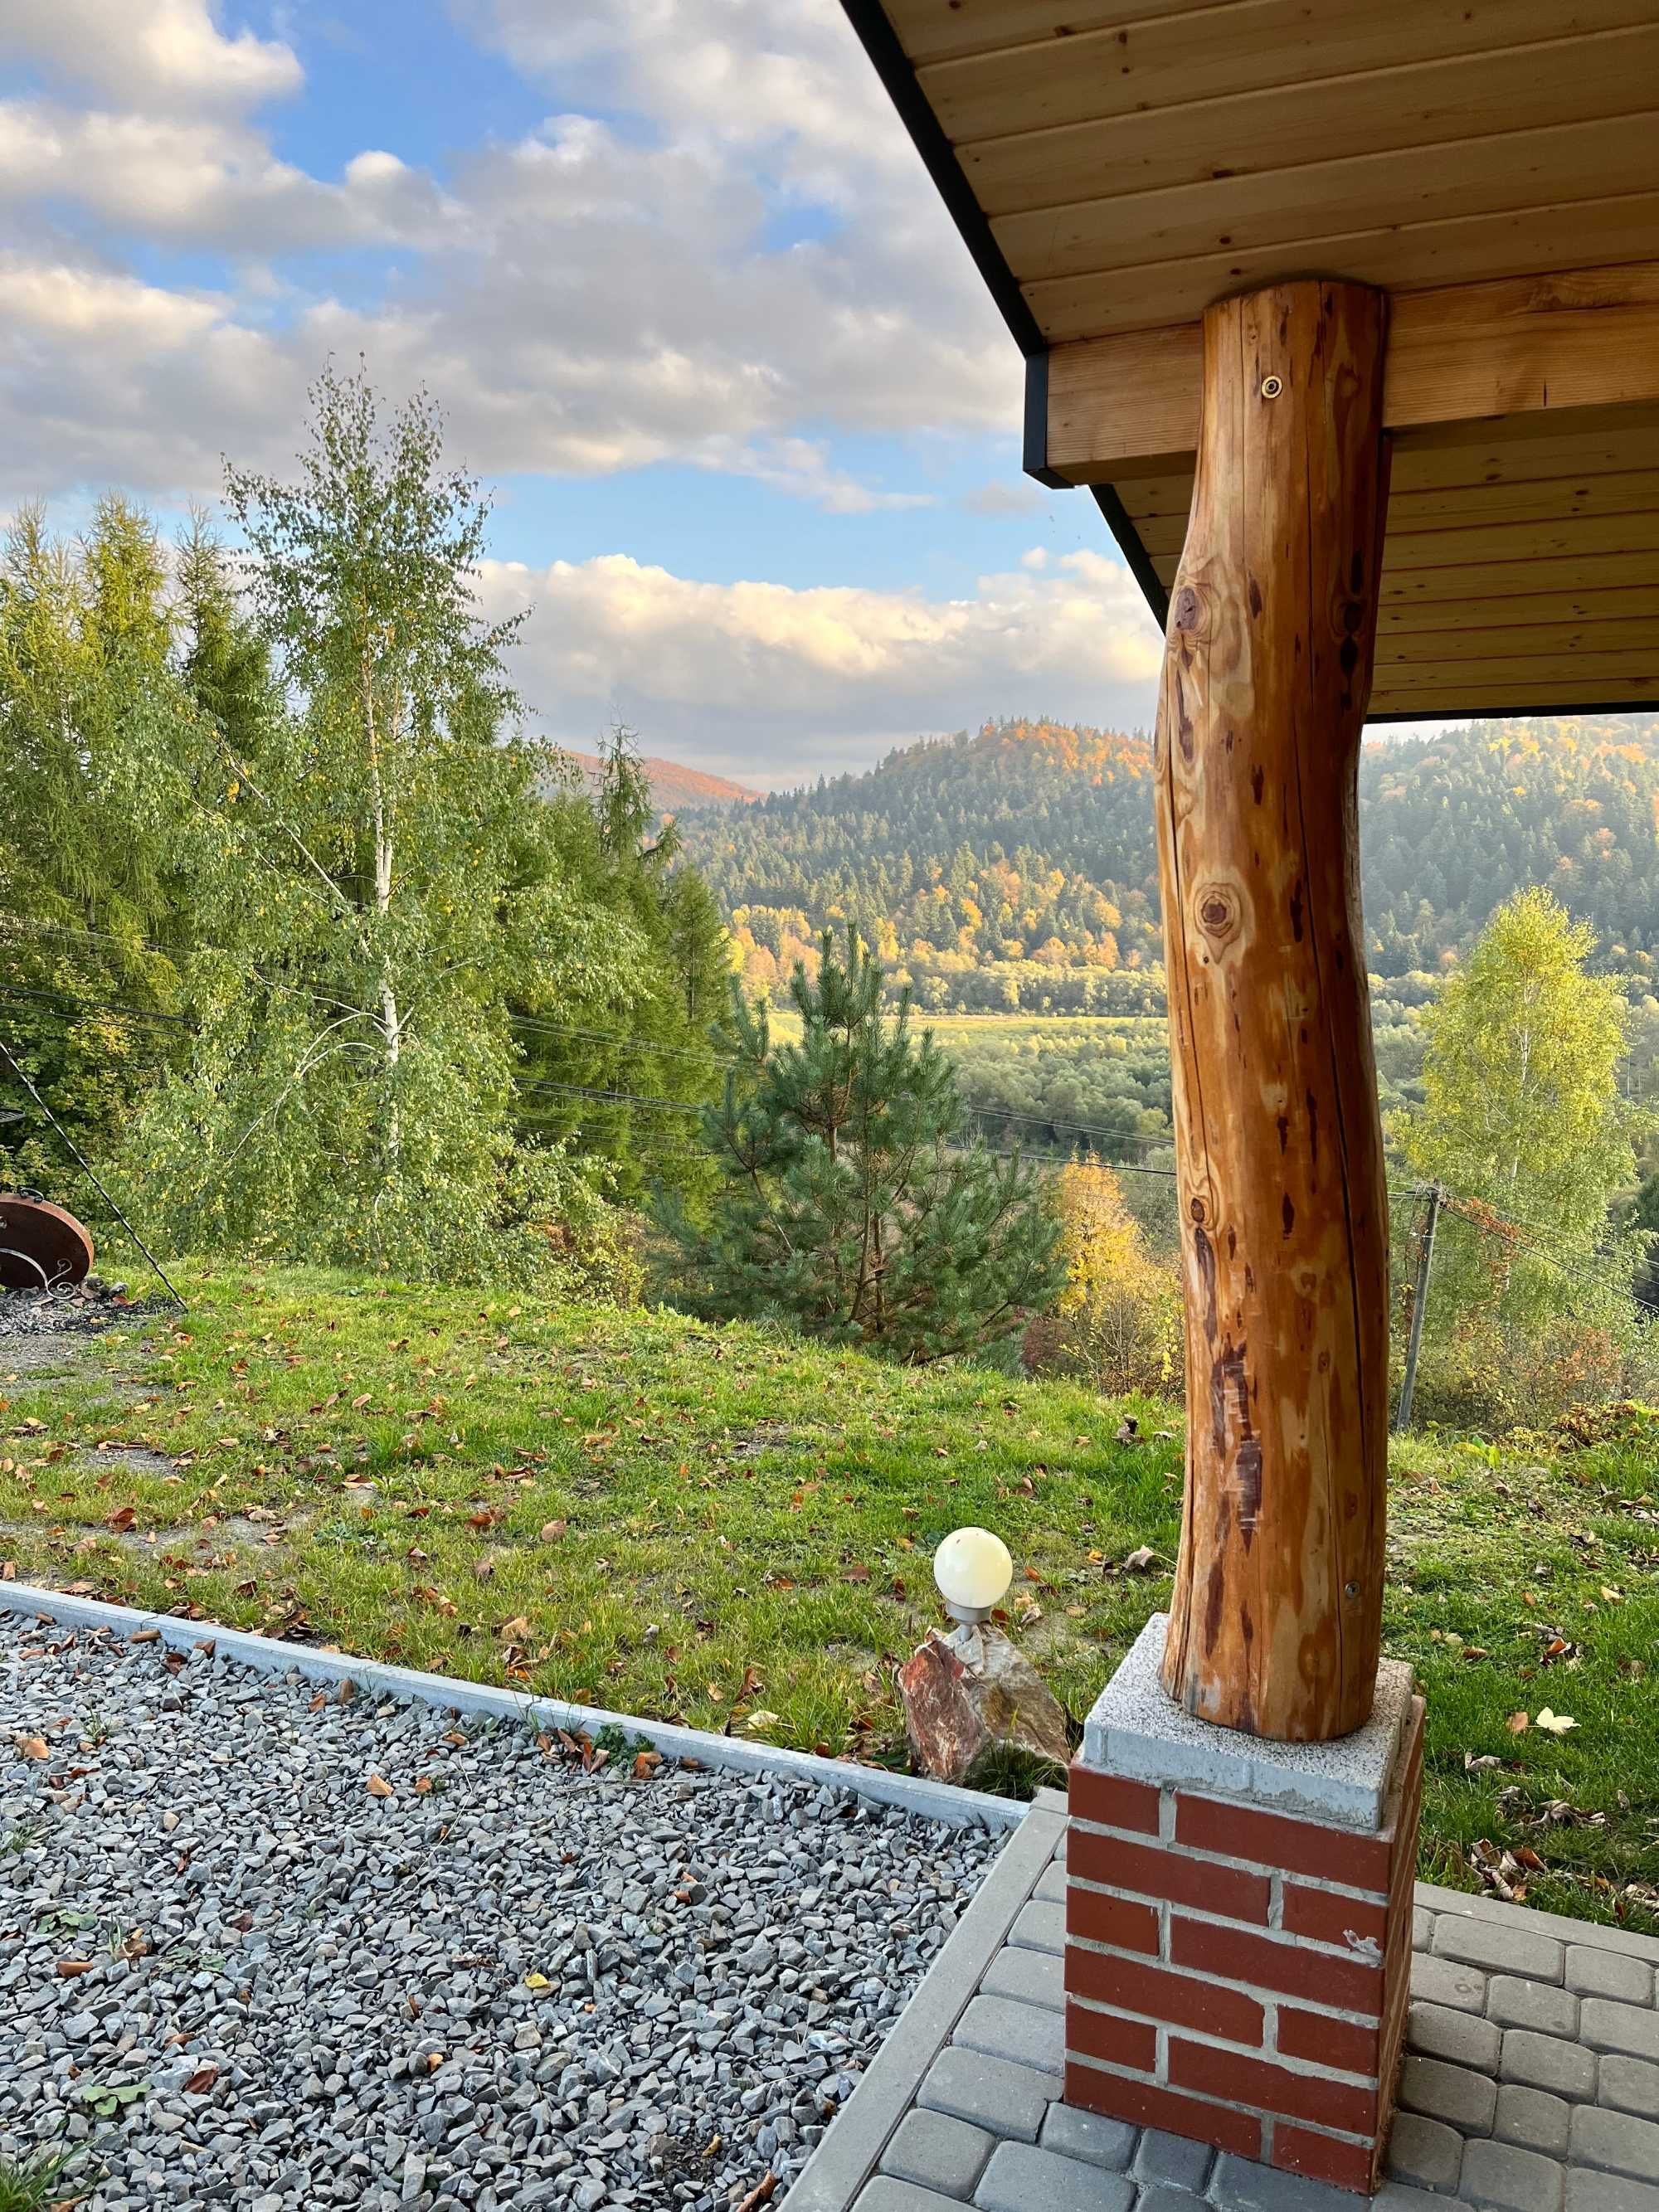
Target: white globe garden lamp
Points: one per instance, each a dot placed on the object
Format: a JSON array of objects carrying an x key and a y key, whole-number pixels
[{"x": 973, "y": 1570}]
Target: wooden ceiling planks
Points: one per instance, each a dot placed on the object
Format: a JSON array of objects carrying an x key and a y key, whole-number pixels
[
  {"x": 1175, "y": 60},
  {"x": 1494, "y": 166}
]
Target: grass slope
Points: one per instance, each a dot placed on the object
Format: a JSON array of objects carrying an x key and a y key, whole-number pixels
[{"x": 730, "y": 1528}]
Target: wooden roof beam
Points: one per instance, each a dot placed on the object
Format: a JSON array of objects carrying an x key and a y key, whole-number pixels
[{"x": 1528, "y": 351}]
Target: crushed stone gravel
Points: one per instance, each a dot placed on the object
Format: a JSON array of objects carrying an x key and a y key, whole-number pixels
[{"x": 233, "y": 1975}]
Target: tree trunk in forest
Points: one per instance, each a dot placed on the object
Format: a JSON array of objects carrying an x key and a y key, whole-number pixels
[{"x": 1275, "y": 1623}]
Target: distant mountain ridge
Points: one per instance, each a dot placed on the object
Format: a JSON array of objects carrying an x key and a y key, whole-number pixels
[
  {"x": 1013, "y": 866},
  {"x": 676, "y": 789}
]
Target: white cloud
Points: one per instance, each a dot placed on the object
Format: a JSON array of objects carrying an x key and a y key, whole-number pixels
[
  {"x": 756, "y": 679},
  {"x": 784, "y": 76},
  {"x": 747, "y": 264},
  {"x": 166, "y": 54},
  {"x": 198, "y": 181}
]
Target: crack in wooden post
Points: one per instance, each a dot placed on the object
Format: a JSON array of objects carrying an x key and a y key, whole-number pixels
[{"x": 1275, "y": 1624}]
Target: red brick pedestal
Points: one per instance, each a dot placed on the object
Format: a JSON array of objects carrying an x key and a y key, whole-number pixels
[{"x": 1234, "y": 1972}]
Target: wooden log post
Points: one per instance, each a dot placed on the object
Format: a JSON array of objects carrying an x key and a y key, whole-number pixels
[{"x": 1275, "y": 1622}]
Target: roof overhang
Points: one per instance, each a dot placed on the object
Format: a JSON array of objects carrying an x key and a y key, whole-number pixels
[{"x": 1494, "y": 168}]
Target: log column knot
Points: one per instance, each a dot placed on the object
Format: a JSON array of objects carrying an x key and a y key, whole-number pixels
[{"x": 1275, "y": 1623}]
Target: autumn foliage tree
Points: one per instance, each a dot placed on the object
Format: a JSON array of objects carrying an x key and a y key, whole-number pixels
[{"x": 1116, "y": 1324}]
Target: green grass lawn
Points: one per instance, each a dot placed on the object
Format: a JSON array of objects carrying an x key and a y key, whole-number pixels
[{"x": 726, "y": 1527}]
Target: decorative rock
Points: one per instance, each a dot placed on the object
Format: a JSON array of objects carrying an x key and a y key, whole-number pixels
[
  {"x": 532, "y": 1990},
  {"x": 970, "y": 1697}
]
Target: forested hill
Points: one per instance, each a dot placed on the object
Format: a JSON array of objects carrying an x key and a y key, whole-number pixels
[
  {"x": 1014, "y": 866},
  {"x": 675, "y": 789}
]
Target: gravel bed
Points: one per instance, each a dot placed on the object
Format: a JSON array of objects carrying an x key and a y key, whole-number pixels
[
  {"x": 232, "y": 1974},
  {"x": 83, "y": 1309}
]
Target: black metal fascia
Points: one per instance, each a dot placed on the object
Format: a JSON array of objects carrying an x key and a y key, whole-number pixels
[
  {"x": 1519, "y": 714},
  {"x": 1036, "y": 423},
  {"x": 893, "y": 66},
  {"x": 1122, "y": 525}
]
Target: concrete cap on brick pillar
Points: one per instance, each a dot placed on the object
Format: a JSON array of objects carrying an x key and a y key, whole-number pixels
[{"x": 1136, "y": 1728}]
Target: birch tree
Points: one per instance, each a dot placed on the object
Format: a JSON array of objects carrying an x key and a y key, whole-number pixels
[
  {"x": 1523, "y": 1121},
  {"x": 377, "y": 881}
]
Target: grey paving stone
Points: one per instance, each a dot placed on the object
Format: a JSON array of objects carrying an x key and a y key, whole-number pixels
[
  {"x": 1023, "y": 2178},
  {"x": 1597, "y": 1973},
  {"x": 1608, "y": 2026},
  {"x": 1158, "y": 2199},
  {"x": 1609, "y": 2192},
  {"x": 1499, "y": 1947},
  {"x": 1464, "y": 2100},
  {"x": 1400, "y": 2197},
  {"x": 1546, "y": 2009},
  {"x": 1630, "y": 2085},
  {"x": 1173, "y": 2160},
  {"x": 1042, "y": 1924},
  {"x": 1617, "y": 2142},
  {"x": 1445, "y": 1982},
  {"x": 1089, "y": 2135},
  {"x": 937, "y": 2152},
  {"x": 1240, "y": 2186},
  {"x": 1424, "y": 2152},
  {"x": 1460, "y": 2037},
  {"x": 1544, "y": 2061},
  {"x": 1051, "y": 1884},
  {"x": 1532, "y": 2118},
  {"x": 1024, "y": 2032},
  {"x": 990, "y": 2093},
  {"x": 884, "y": 2194},
  {"x": 1509, "y": 2179},
  {"x": 1422, "y": 1928},
  {"x": 1030, "y": 1978}
]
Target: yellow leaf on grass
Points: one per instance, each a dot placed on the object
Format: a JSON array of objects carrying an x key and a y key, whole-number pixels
[
  {"x": 1518, "y": 1724},
  {"x": 1557, "y": 1724}
]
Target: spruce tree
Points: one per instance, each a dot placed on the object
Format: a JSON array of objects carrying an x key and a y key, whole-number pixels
[
  {"x": 849, "y": 1197},
  {"x": 595, "y": 1085},
  {"x": 96, "y": 734}
]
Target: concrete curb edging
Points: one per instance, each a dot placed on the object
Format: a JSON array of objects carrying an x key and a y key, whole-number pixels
[
  {"x": 859, "y": 2133},
  {"x": 907, "y": 1793},
  {"x": 1590, "y": 1934}
]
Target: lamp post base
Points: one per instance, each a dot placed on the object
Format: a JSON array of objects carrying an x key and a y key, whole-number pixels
[{"x": 1238, "y": 1925}]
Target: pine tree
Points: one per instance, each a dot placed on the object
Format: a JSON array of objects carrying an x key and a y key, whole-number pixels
[{"x": 849, "y": 1197}]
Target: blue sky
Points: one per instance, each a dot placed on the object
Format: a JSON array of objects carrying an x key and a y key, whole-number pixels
[{"x": 682, "y": 287}]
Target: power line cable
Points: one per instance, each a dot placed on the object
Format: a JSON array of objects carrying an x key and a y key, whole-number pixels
[{"x": 92, "y": 1006}]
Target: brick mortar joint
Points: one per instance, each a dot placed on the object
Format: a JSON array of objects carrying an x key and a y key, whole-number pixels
[
  {"x": 1207, "y": 1978},
  {"x": 1308, "y": 2069},
  {"x": 1261, "y": 2112},
  {"x": 1194, "y": 1855},
  {"x": 1366, "y": 1953}
]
